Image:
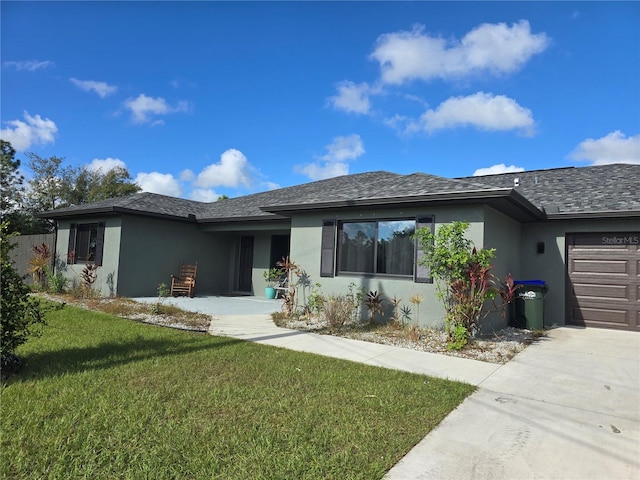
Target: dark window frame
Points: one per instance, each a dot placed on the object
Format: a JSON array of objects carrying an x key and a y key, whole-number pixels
[
  {"x": 91, "y": 236},
  {"x": 331, "y": 249}
]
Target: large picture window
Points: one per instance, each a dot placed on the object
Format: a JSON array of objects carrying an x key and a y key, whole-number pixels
[
  {"x": 377, "y": 247},
  {"x": 374, "y": 247},
  {"x": 86, "y": 241}
]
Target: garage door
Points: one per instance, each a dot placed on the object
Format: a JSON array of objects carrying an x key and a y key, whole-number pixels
[{"x": 603, "y": 287}]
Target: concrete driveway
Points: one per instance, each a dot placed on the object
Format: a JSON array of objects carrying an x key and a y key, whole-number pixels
[{"x": 567, "y": 407}]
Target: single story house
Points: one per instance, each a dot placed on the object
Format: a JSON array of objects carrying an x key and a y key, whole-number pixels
[{"x": 576, "y": 228}]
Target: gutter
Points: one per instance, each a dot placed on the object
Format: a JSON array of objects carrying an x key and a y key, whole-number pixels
[
  {"x": 253, "y": 218},
  {"x": 593, "y": 215}
]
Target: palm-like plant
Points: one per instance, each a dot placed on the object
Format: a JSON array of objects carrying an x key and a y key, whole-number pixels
[
  {"x": 39, "y": 263},
  {"x": 373, "y": 302},
  {"x": 395, "y": 301},
  {"x": 290, "y": 268}
]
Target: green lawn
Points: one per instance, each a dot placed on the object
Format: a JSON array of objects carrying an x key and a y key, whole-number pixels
[{"x": 103, "y": 397}]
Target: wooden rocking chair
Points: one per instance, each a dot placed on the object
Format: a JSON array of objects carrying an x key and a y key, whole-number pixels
[{"x": 185, "y": 282}]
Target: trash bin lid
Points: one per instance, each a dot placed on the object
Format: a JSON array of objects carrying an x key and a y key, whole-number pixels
[{"x": 540, "y": 283}]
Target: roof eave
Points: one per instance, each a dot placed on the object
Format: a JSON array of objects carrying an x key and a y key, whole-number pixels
[
  {"x": 250, "y": 218},
  {"x": 54, "y": 214},
  {"x": 594, "y": 215},
  {"x": 114, "y": 210},
  {"x": 523, "y": 208}
]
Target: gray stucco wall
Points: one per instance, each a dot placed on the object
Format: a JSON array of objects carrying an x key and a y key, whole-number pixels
[
  {"x": 551, "y": 266},
  {"x": 504, "y": 234},
  {"x": 107, "y": 274},
  {"x": 262, "y": 233},
  {"x": 306, "y": 245},
  {"x": 261, "y": 256},
  {"x": 151, "y": 250}
]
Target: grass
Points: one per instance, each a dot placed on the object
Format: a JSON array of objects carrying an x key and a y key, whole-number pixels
[{"x": 104, "y": 397}]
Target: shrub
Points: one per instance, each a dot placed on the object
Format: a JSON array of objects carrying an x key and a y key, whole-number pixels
[
  {"x": 163, "y": 293},
  {"x": 21, "y": 315},
  {"x": 56, "y": 283},
  {"x": 316, "y": 300},
  {"x": 374, "y": 302},
  {"x": 463, "y": 279},
  {"x": 414, "y": 333},
  {"x": 89, "y": 275},
  {"x": 337, "y": 311},
  {"x": 355, "y": 297},
  {"x": 38, "y": 264},
  {"x": 459, "y": 338}
]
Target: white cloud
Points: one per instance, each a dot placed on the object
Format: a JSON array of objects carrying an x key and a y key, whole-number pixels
[
  {"x": 495, "y": 48},
  {"x": 144, "y": 108},
  {"x": 352, "y": 98},
  {"x": 481, "y": 110},
  {"x": 398, "y": 122},
  {"x": 319, "y": 171},
  {"x": 334, "y": 162},
  {"x": 105, "y": 165},
  {"x": 344, "y": 148},
  {"x": 612, "y": 148},
  {"x": 204, "y": 195},
  {"x": 29, "y": 65},
  {"x": 101, "y": 88},
  {"x": 162, "y": 183},
  {"x": 233, "y": 170},
  {"x": 270, "y": 185},
  {"x": 34, "y": 130},
  {"x": 498, "y": 168},
  {"x": 187, "y": 175}
]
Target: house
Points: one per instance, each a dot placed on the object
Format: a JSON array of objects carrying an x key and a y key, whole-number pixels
[{"x": 576, "y": 228}]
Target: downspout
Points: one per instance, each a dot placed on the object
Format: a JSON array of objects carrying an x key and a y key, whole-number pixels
[{"x": 55, "y": 248}]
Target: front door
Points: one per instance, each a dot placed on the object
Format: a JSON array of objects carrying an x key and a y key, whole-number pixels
[{"x": 245, "y": 268}]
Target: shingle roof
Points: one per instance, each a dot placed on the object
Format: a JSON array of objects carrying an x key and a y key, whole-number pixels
[
  {"x": 336, "y": 191},
  {"x": 583, "y": 190},
  {"x": 608, "y": 188},
  {"x": 143, "y": 203}
]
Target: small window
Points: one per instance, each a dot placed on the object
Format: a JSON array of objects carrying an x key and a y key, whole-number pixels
[{"x": 86, "y": 241}]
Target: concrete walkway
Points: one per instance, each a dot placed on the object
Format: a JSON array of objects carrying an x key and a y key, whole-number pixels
[{"x": 567, "y": 407}]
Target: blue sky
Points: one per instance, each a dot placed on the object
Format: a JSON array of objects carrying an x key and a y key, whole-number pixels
[{"x": 199, "y": 99}]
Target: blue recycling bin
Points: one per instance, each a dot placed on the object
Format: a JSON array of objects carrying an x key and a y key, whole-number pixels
[{"x": 528, "y": 310}]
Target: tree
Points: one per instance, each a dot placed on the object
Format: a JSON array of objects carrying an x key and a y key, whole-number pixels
[
  {"x": 10, "y": 179},
  {"x": 114, "y": 183},
  {"x": 54, "y": 186},
  {"x": 21, "y": 315},
  {"x": 13, "y": 195},
  {"x": 46, "y": 187},
  {"x": 82, "y": 185},
  {"x": 11, "y": 186}
]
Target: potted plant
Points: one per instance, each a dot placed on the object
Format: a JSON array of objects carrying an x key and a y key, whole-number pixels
[{"x": 272, "y": 278}]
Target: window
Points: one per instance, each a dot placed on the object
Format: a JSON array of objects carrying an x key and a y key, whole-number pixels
[
  {"x": 383, "y": 247},
  {"x": 375, "y": 247},
  {"x": 396, "y": 247},
  {"x": 86, "y": 241}
]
